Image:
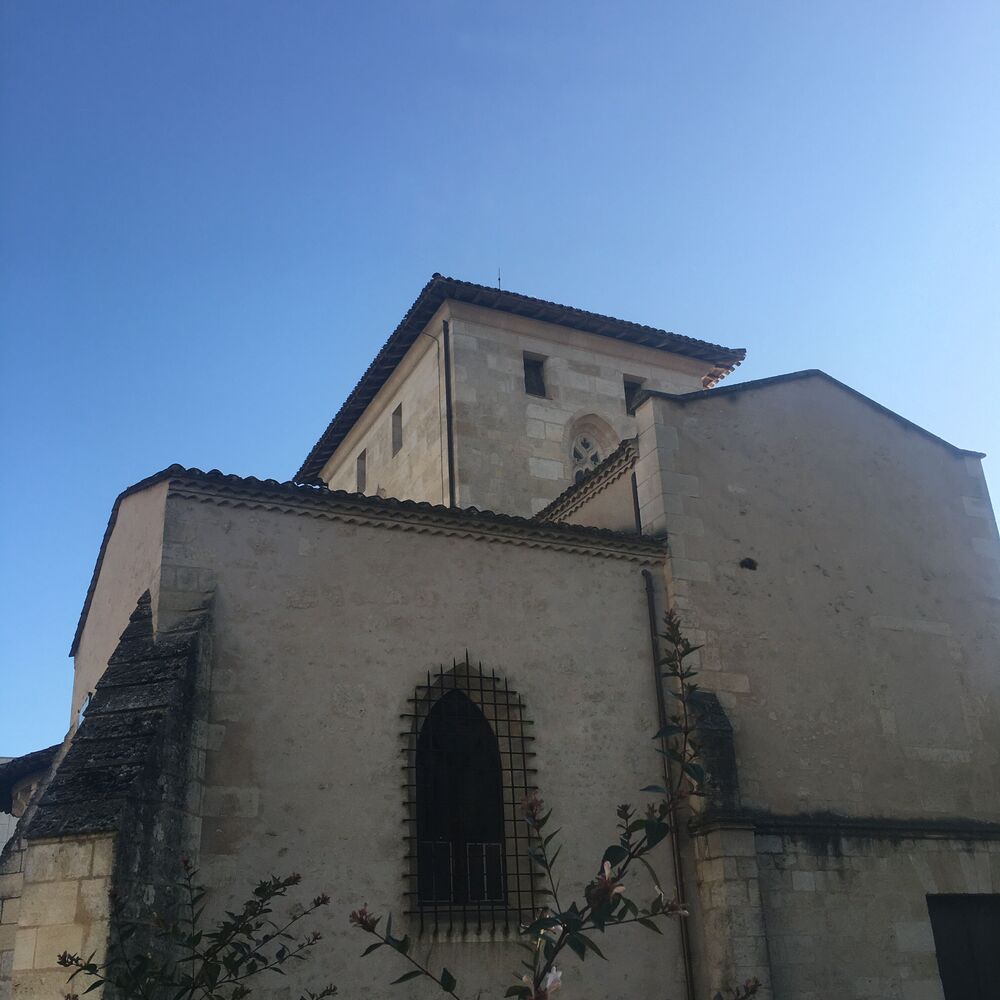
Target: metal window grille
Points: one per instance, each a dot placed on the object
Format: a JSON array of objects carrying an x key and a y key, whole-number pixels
[{"x": 456, "y": 878}]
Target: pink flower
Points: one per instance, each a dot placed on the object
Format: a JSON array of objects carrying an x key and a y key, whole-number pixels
[
  {"x": 550, "y": 984},
  {"x": 363, "y": 919},
  {"x": 603, "y": 890}
]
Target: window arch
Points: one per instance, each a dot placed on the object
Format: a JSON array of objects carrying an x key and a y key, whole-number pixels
[
  {"x": 468, "y": 768},
  {"x": 591, "y": 440}
]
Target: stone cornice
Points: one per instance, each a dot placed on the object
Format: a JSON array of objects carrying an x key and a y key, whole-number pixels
[{"x": 409, "y": 515}]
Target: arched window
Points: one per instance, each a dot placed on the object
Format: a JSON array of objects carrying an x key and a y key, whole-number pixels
[
  {"x": 585, "y": 454},
  {"x": 460, "y": 846},
  {"x": 468, "y": 769},
  {"x": 591, "y": 440}
]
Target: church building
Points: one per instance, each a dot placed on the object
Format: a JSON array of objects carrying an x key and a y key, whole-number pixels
[{"x": 360, "y": 673}]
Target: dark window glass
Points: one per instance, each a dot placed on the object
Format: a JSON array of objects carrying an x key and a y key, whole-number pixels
[
  {"x": 534, "y": 376},
  {"x": 967, "y": 942},
  {"x": 362, "y": 471},
  {"x": 460, "y": 852},
  {"x": 632, "y": 387},
  {"x": 397, "y": 428}
]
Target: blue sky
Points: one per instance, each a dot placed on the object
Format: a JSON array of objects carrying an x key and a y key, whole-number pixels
[{"x": 211, "y": 216}]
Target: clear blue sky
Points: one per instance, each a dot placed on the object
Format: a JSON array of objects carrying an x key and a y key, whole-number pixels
[{"x": 212, "y": 214}]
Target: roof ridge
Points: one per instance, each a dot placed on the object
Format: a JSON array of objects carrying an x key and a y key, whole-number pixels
[{"x": 438, "y": 290}]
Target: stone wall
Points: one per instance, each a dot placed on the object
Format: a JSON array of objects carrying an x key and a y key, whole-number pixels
[
  {"x": 848, "y": 916},
  {"x": 513, "y": 449},
  {"x": 63, "y": 907},
  {"x": 325, "y": 622},
  {"x": 841, "y": 569},
  {"x": 128, "y": 565},
  {"x": 417, "y": 471}
]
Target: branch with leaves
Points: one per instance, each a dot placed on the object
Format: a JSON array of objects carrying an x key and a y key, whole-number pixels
[{"x": 188, "y": 962}]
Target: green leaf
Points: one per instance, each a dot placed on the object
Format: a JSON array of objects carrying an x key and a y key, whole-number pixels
[
  {"x": 593, "y": 947},
  {"x": 518, "y": 991},
  {"x": 406, "y": 976},
  {"x": 448, "y": 981},
  {"x": 371, "y": 948},
  {"x": 668, "y": 730},
  {"x": 578, "y": 944},
  {"x": 658, "y": 789},
  {"x": 614, "y": 855},
  {"x": 655, "y": 832},
  {"x": 694, "y": 771},
  {"x": 650, "y": 925}
]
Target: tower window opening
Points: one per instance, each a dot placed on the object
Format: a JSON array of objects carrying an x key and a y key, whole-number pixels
[
  {"x": 534, "y": 375},
  {"x": 632, "y": 389},
  {"x": 361, "y": 471},
  {"x": 397, "y": 429}
]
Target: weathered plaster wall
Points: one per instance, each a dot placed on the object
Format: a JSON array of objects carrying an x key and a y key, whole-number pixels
[
  {"x": 513, "y": 448},
  {"x": 858, "y": 662},
  {"x": 131, "y": 565},
  {"x": 322, "y": 630},
  {"x": 417, "y": 471}
]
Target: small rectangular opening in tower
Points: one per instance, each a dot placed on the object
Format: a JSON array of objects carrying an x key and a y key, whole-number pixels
[
  {"x": 534, "y": 375},
  {"x": 362, "y": 471},
  {"x": 632, "y": 389},
  {"x": 397, "y": 428}
]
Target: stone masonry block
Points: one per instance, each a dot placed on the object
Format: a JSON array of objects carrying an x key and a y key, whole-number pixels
[
  {"x": 55, "y": 862},
  {"x": 10, "y": 885},
  {"x": 49, "y": 903},
  {"x": 94, "y": 903},
  {"x": 8, "y": 932},
  {"x": 24, "y": 948},
  {"x": 9, "y": 910},
  {"x": 104, "y": 856},
  {"x": 53, "y": 941}
]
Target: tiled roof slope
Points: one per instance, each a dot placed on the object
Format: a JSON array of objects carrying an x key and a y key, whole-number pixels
[
  {"x": 438, "y": 290},
  {"x": 128, "y": 745},
  {"x": 622, "y": 459},
  {"x": 13, "y": 770},
  {"x": 307, "y": 495}
]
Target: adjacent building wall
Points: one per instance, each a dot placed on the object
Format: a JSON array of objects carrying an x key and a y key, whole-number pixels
[
  {"x": 841, "y": 569},
  {"x": 323, "y": 628},
  {"x": 513, "y": 449},
  {"x": 417, "y": 471},
  {"x": 859, "y": 658},
  {"x": 130, "y": 565}
]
